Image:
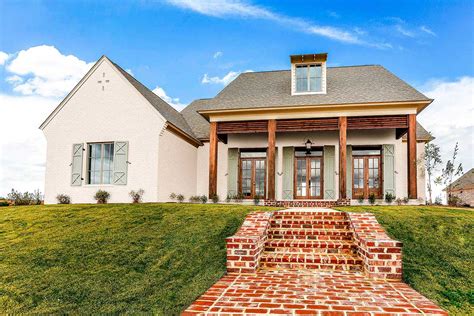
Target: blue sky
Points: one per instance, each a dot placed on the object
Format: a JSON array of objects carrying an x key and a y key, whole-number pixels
[{"x": 191, "y": 49}]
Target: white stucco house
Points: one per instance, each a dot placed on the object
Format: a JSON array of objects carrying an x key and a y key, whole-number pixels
[{"x": 311, "y": 135}]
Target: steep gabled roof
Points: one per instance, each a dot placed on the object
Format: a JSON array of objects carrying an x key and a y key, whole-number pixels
[
  {"x": 466, "y": 181},
  {"x": 345, "y": 85},
  {"x": 171, "y": 115},
  {"x": 421, "y": 134},
  {"x": 196, "y": 121},
  {"x": 168, "y": 112}
]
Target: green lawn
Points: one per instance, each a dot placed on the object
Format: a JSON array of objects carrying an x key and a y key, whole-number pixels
[
  {"x": 119, "y": 258},
  {"x": 438, "y": 250},
  {"x": 158, "y": 258}
]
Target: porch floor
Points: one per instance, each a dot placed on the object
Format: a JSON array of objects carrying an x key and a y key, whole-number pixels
[{"x": 291, "y": 292}]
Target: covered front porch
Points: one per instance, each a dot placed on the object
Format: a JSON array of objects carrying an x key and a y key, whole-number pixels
[{"x": 316, "y": 161}]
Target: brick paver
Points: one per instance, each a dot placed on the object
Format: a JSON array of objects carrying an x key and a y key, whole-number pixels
[
  {"x": 319, "y": 292},
  {"x": 316, "y": 262}
]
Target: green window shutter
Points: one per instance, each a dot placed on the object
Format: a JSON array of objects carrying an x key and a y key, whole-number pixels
[
  {"x": 232, "y": 171},
  {"x": 120, "y": 163},
  {"x": 349, "y": 172},
  {"x": 76, "y": 164},
  {"x": 329, "y": 168},
  {"x": 288, "y": 174},
  {"x": 389, "y": 169}
]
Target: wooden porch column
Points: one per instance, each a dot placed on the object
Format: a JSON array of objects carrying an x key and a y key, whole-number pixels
[
  {"x": 213, "y": 159},
  {"x": 271, "y": 159},
  {"x": 342, "y": 156},
  {"x": 411, "y": 157}
]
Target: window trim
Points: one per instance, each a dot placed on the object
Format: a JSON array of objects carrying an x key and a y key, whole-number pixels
[
  {"x": 88, "y": 164},
  {"x": 294, "y": 90}
]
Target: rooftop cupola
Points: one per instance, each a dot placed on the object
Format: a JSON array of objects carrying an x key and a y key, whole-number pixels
[{"x": 308, "y": 74}]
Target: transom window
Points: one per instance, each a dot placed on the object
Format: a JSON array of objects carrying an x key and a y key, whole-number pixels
[
  {"x": 308, "y": 78},
  {"x": 100, "y": 163}
]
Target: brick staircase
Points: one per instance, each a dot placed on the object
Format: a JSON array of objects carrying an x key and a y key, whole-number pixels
[{"x": 316, "y": 239}]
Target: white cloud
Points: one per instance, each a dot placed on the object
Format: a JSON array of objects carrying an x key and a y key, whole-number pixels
[
  {"x": 45, "y": 71},
  {"x": 129, "y": 71},
  {"x": 242, "y": 9},
  {"x": 427, "y": 30},
  {"x": 402, "y": 30},
  {"x": 451, "y": 118},
  {"x": 225, "y": 80},
  {"x": 174, "y": 102},
  {"x": 3, "y": 58},
  {"x": 22, "y": 145},
  {"x": 15, "y": 79},
  {"x": 217, "y": 55}
]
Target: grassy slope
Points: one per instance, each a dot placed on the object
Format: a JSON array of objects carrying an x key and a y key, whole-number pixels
[
  {"x": 438, "y": 252},
  {"x": 111, "y": 258},
  {"x": 159, "y": 257}
]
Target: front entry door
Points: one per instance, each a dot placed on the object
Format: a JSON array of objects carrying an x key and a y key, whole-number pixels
[
  {"x": 252, "y": 177},
  {"x": 308, "y": 177},
  {"x": 366, "y": 177}
]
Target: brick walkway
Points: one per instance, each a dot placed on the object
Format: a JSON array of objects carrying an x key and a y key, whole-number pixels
[
  {"x": 310, "y": 292},
  {"x": 316, "y": 262}
]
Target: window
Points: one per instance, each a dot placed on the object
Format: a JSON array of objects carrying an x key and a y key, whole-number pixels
[
  {"x": 308, "y": 78},
  {"x": 100, "y": 163}
]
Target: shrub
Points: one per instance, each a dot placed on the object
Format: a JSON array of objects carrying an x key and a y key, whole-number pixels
[
  {"x": 4, "y": 203},
  {"x": 215, "y": 198},
  {"x": 194, "y": 199},
  {"x": 203, "y": 199},
  {"x": 37, "y": 198},
  {"x": 102, "y": 197},
  {"x": 256, "y": 199},
  {"x": 19, "y": 198},
  {"x": 180, "y": 198},
  {"x": 438, "y": 200},
  {"x": 389, "y": 197},
  {"x": 238, "y": 197},
  {"x": 173, "y": 196},
  {"x": 405, "y": 200},
  {"x": 372, "y": 198},
  {"x": 360, "y": 199},
  {"x": 398, "y": 201},
  {"x": 137, "y": 195},
  {"x": 454, "y": 200},
  {"x": 63, "y": 199},
  {"x": 228, "y": 198}
]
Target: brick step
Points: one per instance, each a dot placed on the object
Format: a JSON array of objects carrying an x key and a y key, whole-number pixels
[
  {"x": 308, "y": 250},
  {"x": 308, "y": 225},
  {"x": 309, "y": 246},
  {"x": 311, "y": 237},
  {"x": 311, "y": 212},
  {"x": 308, "y": 231},
  {"x": 311, "y": 261},
  {"x": 335, "y": 217}
]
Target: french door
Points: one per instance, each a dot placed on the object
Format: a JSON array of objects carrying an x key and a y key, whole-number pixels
[
  {"x": 308, "y": 178},
  {"x": 366, "y": 176},
  {"x": 253, "y": 177}
]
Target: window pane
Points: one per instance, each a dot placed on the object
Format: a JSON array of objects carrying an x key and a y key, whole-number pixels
[
  {"x": 315, "y": 71},
  {"x": 315, "y": 84},
  {"x": 301, "y": 85},
  {"x": 301, "y": 72},
  {"x": 253, "y": 154}
]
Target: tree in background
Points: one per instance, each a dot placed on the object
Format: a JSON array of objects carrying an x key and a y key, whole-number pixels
[
  {"x": 447, "y": 174},
  {"x": 432, "y": 159}
]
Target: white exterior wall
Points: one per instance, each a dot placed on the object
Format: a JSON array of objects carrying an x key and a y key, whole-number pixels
[
  {"x": 176, "y": 167},
  {"x": 379, "y": 137},
  {"x": 118, "y": 113},
  {"x": 202, "y": 170}
]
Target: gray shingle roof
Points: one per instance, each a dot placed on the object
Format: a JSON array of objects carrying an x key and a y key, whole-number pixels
[
  {"x": 196, "y": 121},
  {"x": 168, "y": 112},
  {"x": 345, "y": 85},
  {"x": 466, "y": 181}
]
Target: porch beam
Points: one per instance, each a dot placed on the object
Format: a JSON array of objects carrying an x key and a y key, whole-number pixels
[
  {"x": 342, "y": 156},
  {"x": 213, "y": 142},
  {"x": 271, "y": 159},
  {"x": 411, "y": 156}
]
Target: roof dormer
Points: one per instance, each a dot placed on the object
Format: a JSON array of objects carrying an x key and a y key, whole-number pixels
[{"x": 308, "y": 74}]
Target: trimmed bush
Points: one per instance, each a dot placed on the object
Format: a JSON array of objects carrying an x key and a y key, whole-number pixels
[
  {"x": 203, "y": 199},
  {"x": 102, "y": 197},
  {"x": 215, "y": 198},
  {"x": 389, "y": 197},
  {"x": 137, "y": 195},
  {"x": 372, "y": 199},
  {"x": 63, "y": 199},
  {"x": 180, "y": 198}
]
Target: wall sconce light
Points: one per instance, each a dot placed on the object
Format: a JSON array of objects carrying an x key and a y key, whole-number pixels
[{"x": 308, "y": 145}]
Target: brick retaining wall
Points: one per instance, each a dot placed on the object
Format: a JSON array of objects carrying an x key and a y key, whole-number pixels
[{"x": 382, "y": 256}]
